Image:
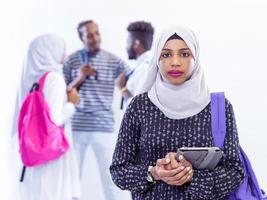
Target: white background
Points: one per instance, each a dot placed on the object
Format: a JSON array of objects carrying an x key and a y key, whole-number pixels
[{"x": 233, "y": 41}]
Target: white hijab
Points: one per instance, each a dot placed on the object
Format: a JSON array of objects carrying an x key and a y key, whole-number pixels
[
  {"x": 44, "y": 54},
  {"x": 178, "y": 101}
]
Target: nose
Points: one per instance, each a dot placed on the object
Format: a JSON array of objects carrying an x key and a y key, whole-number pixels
[
  {"x": 94, "y": 39},
  {"x": 176, "y": 61}
]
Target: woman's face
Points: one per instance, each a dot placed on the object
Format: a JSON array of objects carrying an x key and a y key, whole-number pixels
[{"x": 175, "y": 61}]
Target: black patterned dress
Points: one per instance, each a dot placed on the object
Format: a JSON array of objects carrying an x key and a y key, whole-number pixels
[{"x": 146, "y": 135}]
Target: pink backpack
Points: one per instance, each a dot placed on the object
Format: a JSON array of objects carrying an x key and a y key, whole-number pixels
[{"x": 40, "y": 139}]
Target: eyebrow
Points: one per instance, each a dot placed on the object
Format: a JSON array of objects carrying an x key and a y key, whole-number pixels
[{"x": 182, "y": 49}]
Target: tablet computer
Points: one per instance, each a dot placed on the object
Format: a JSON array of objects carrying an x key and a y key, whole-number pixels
[{"x": 201, "y": 157}]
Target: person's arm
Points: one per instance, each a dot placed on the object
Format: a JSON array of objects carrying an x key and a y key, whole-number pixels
[
  {"x": 84, "y": 72},
  {"x": 125, "y": 172},
  {"x": 135, "y": 83},
  {"x": 67, "y": 71},
  {"x": 126, "y": 94},
  {"x": 122, "y": 67},
  {"x": 220, "y": 182},
  {"x": 70, "y": 81},
  {"x": 76, "y": 82},
  {"x": 122, "y": 70},
  {"x": 55, "y": 95}
]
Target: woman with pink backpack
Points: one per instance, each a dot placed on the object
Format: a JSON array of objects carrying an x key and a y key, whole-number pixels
[{"x": 48, "y": 175}]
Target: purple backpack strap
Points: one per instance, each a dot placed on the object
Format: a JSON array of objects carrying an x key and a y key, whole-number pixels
[
  {"x": 249, "y": 189},
  {"x": 42, "y": 80},
  {"x": 218, "y": 119}
]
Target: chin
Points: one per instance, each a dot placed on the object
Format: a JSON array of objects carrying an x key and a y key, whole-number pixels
[
  {"x": 95, "y": 50},
  {"x": 177, "y": 82},
  {"x": 131, "y": 57}
]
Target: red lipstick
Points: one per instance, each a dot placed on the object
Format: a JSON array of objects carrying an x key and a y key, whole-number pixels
[{"x": 175, "y": 73}]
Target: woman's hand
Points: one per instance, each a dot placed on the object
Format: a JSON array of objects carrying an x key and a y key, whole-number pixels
[
  {"x": 174, "y": 172},
  {"x": 186, "y": 164}
]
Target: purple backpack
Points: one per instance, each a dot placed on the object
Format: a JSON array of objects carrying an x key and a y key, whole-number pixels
[{"x": 249, "y": 189}]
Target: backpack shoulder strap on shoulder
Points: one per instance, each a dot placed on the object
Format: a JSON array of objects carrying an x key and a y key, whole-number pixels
[
  {"x": 42, "y": 80},
  {"x": 218, "y": 118}
]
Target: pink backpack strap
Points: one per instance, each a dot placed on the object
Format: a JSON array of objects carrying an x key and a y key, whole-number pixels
[{"x": 42, "y": 80}]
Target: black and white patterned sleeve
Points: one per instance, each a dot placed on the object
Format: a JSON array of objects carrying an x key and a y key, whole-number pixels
[
  {"x": 125, "y": 172},
  {"x": 220, "y": 182}
]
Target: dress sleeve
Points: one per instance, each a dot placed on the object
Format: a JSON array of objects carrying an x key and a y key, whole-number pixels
[
  {"x": 125, "y": 172},
  {"x": 55, "y": 95},
  {"x": 220, "y": 182}
]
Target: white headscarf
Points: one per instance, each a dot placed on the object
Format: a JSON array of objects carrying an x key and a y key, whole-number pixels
[
  {"x": 44, "y": 54},
  {"x": 178, "y": 101}
]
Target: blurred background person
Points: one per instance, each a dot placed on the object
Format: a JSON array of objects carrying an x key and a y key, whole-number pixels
[
  {"x": 93, "y": 72},
  {"x": 57, "y": 179},
  {"x": 139, "y": 43}
]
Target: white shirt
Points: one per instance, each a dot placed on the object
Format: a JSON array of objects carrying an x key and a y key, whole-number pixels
[
  {"x": 55, "y": 95},
  {"x": 136, "y": 80}
]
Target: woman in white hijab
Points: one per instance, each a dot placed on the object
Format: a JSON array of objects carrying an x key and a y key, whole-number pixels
[
  {"x": 173, "y": 112},
  {"x": 57, "y": 179}
]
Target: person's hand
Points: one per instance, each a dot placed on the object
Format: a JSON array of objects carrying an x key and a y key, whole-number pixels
[
  {"x": 174, "y": 172},
  {"x": 73, "y": 96},
  {"x": 187, "y": 164},
  {"x": 154, "y": 173},
  {"x": 122, "y": 80},
  {"x": 86, "y": 70},
  {"x": 174, "y": 163}
]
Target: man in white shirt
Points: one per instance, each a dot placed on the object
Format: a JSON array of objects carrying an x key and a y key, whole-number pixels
[{"x": 139, "y": 42}]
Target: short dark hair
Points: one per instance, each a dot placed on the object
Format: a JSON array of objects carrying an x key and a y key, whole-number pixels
[
  {"x": 143, "y": 31},
  {"x": 81, "y": 25}
]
